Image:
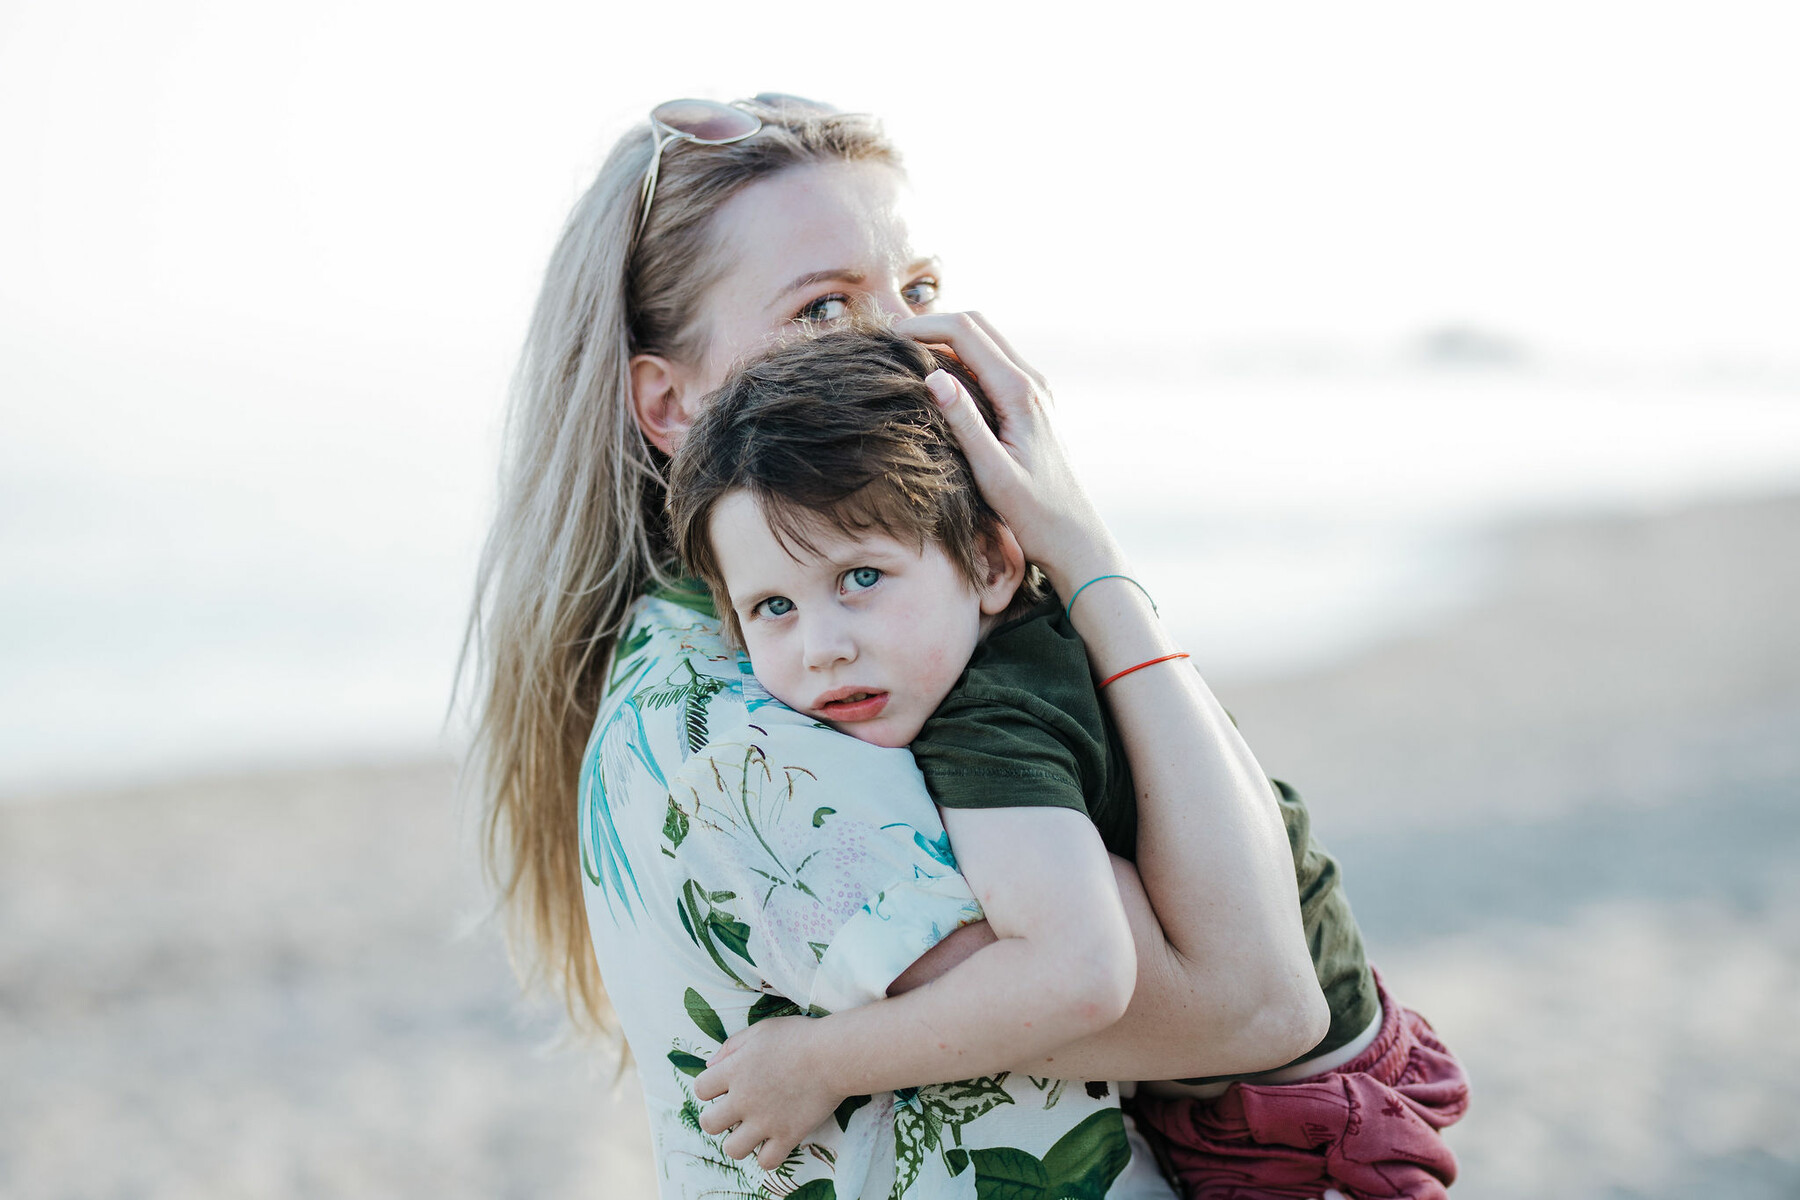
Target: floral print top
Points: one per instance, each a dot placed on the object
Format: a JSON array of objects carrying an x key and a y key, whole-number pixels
[{"x": 743, "y": 861}]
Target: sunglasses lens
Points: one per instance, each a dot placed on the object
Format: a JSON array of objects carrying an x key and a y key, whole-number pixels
[{"x": 706, "y": 120}]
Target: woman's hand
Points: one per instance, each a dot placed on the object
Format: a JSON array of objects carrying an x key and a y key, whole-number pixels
[
  {"x": 763, "y": 1082},
  {"x": 1024, "y": 471}
]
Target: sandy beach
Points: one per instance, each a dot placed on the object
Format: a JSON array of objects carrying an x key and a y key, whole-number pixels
[{"x": 1567, "y": 816}]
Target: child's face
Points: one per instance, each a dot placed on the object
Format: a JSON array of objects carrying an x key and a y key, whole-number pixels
[{"x": 869, "y": 635}]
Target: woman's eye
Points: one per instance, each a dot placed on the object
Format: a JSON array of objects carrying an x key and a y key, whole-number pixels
[
  {"x": 775, "y": 606},
  {"x": 861, "y": 578},
  {"x": 921, "y": 293},
  {"x": 834, "y": 307}
]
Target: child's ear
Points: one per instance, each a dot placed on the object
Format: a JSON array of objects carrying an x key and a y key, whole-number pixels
[{"x": 1004, "y": 565}]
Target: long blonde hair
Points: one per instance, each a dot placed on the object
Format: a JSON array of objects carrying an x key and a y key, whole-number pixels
[{"x": 580, "y": 530}]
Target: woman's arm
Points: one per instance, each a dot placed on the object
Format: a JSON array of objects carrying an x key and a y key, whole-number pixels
[
  {"x": 1225, "y": 981},
  {"x": 1061, "y": 969}
]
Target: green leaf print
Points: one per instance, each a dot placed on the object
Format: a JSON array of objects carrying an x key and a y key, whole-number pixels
[
  {"x": 814, "y": 1189},
  {"x": 972, "y": 1097},
  {"x": 675, "y": 828},
  {"x": 688, "y": 1064},
  {"x": 693, "y": 721},
  {"x": 773, "y": 1006},
  {"x": 819, "y": 815},
  {"x": 1008, "y": 1174},
  {"x": 847, "y": 1109},
  {"x": 622, "y": 664},
  {"x": 1052, "y": 1088},
  {"x": 672, "y": 690},
  {"x": 704, "y": 1016},
  {"x": 910, "y": 1134},
  {"x": 692, "y": 693},
  {"x": 711, "y": 926},
  {"x": 1091, "y": 1155},
  {"x": 923, "y": 1115},
  {"x": 732, "y": 932},
  {"x": 1080, "y": 1166}
]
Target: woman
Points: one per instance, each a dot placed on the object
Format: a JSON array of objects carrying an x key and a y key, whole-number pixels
[{"x": 730, "y": 861}]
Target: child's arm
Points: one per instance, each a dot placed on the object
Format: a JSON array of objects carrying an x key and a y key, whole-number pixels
[{"x": 1062, "y": 969}]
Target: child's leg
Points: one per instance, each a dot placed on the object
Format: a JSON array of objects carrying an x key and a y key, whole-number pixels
[{"x": 1368, "y": 1129}]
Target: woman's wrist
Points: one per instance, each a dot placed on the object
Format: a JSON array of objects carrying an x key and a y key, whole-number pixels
[
  {"x": 1117, "y": 622},
  {"x": 1085, "y": 552}
]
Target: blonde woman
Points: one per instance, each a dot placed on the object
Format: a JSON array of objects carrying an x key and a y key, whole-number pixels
[{"x": 654, "y": 817}]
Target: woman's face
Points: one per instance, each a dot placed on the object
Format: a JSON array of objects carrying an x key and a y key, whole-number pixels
[{"x": 813, "y": 243}]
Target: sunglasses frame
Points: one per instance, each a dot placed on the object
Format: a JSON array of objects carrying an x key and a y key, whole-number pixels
[{"x": 667, "y": 134}]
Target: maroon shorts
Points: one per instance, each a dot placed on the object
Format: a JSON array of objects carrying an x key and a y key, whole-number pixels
[{"x": 1368, "y": 1129}]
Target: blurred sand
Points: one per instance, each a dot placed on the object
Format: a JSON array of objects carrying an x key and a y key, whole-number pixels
[{"x": 1567, "y": 817}]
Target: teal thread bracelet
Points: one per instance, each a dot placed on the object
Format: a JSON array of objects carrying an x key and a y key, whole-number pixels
[{"x": 1069, "y": 610}]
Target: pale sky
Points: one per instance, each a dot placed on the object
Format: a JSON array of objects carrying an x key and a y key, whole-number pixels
[
  {"x": 1612, "y": 176},
  {"x": 264, "y": 270}
]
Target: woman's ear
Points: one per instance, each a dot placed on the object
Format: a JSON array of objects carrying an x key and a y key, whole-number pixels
[
  {"x": 1004, "y": 564},
  {"x": 660, "y": 398}
]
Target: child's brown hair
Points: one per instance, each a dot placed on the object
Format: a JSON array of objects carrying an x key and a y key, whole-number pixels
[{"x": 835, "y": 429}]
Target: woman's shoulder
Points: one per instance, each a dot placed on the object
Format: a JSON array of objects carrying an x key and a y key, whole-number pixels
[
  {"x": 677, "y": 688},
  {"x": 687, "y": 741},
  {"x": 658, "y": 627},
  {"x": 677, "y": 697},
  {"x": 673, "y": 667}
]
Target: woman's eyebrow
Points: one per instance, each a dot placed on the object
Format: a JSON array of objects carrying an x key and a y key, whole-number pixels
[{"x": 842, "y": 274}]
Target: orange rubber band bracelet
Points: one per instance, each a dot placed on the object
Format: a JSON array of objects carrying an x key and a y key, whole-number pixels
[{"x": 1139, "y": 667}]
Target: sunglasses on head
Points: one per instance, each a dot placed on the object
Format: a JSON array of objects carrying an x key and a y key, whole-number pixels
[{"x": 710, "y": 123}]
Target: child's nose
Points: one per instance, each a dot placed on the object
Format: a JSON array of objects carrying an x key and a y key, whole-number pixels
[{"x": 828, "y": 643}]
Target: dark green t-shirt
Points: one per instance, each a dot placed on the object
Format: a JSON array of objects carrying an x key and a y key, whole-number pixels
[{"x": 1024, "y": 727}]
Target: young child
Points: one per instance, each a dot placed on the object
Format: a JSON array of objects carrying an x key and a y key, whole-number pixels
[{"x": 823, "y": 499}]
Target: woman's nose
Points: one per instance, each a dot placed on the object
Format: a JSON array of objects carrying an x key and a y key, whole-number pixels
[{"x": 889, "y": 303}]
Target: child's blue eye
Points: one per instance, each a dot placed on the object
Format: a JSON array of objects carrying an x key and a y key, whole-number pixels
[
  {"x": 776, "y": 606},
  {"x": 863, "y": 577}
]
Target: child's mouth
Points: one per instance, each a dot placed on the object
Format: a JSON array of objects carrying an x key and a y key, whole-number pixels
[{"x": 854, "y": 706}]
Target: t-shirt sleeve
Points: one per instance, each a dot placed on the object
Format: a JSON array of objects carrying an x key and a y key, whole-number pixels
[
  {"x": 1002, "y": 751},
  {"x": 811, "y": 862}
]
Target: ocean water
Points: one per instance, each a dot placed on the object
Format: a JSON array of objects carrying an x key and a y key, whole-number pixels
[{"x": 205, "y": 585}]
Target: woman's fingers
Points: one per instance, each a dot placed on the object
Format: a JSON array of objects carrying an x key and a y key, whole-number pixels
[
  {"x": 985, "y": 453},
  {"x": 1005, "y": 346},
  {"x": 1007, "y": 384},
  {"x": 1023, "y": 472}
]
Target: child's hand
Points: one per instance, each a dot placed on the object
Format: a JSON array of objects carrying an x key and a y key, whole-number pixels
[{"x": 763, "y": 1082}]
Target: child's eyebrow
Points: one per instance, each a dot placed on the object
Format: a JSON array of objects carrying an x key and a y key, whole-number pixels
[{"x": 863, "y": 553}]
